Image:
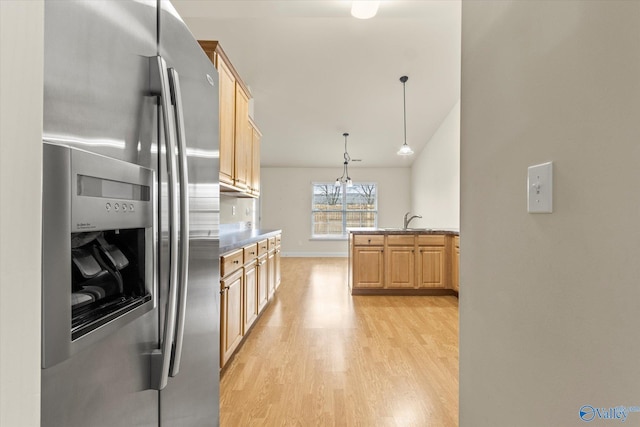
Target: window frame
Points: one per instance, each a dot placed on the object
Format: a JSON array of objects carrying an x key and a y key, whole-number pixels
[{"x": 343, "y": 210}]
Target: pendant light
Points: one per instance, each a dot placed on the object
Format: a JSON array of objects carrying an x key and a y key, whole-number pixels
[
  {"x": 364, "y": 9},
  {"x": 345, "y": 179},
  {"x": 405, "y": 150}
]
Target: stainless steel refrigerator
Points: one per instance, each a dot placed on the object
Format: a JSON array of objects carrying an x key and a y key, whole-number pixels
[{"x": 130, "y": 282}]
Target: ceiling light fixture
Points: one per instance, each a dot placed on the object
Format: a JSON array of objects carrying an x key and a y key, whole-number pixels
[
  {"x": 364, "y": 9},
  {"x": 345, "y": 179},
  {"x": 405, "y": 150}
]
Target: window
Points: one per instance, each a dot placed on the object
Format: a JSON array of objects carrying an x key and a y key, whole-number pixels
[{"x": 336, "y": 209}]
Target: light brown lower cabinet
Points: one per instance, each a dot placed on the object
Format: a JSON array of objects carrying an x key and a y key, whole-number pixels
[
  {"x": 271, "y": 273},
  {"x": 455, "y": 271},
  {"x": 277, "y": 269},
  {"x": 368, "y": 267},
  {"x": 432, "y": 261},
  {"x": 251, "y": 309},
  {"x": 401, "y": 262},
  {"x": 248, "y": 282},
  {"x": 231, "y": 325},
  {"x": 263, "y": 293}
]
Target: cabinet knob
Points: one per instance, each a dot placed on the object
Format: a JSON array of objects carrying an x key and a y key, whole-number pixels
[
  {"x": 235, "y": 261},
  {"x": 369, "y": 240}
]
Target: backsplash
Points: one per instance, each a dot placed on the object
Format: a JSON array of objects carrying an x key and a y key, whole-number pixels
[{"x": 240, "y": 213}]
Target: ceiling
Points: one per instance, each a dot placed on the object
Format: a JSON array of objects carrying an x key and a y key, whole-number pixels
[{"x": 315, "y": 72}]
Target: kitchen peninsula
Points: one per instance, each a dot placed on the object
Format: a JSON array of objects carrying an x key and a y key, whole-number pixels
[{"x": 404, "y": 262}]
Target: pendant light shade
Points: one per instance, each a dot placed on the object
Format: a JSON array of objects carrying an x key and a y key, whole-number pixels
[
  {"x": 404, "y": 150},
  {"x": 364, "y": 9},
  {"x": 345, "y": 178}
]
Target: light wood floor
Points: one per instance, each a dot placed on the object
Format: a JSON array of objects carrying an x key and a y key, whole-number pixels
[{"x": 321, "y": 357}]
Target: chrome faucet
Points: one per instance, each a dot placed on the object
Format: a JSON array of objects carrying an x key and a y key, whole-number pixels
[{"x": 407, "y": 221}]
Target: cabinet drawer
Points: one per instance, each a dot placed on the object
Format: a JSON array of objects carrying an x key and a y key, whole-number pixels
[
  {"x": 262, "y": 247},
  {"x": 456, "y": 240},
  {"x": 278, "y": 239},
  {"x": 431, "y": 240},
  {"x": 400, "y": 240},
  {"x": 230, "y": 262},
  {"x": 272, "y": 243},
  {"x": 250, "y": 252},
  {"x": 368, "y": 240}
]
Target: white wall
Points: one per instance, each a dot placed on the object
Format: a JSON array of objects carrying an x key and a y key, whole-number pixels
[
  {"x": 549, "y": 303},
  {"x": 21, "y": 61},
  {"x": 435, "y": 177},
  {"x": 285, "y": 195}
]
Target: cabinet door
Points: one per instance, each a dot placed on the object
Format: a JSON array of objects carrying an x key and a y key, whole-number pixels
[
  {"x": 271, "y": 272},
  {"x": 242, "y": 142},
  {"x": 263, "y": 295},
  {"x": 431, "y": 267},
  {"x": 227, "y": 89},
  {"x": 368, "y": 267},
  {"x": 255, "y": 161},
  {"x": 400, "y": 264},
  {"x": 250, "y": 295},
  {"x": 456, "y": 265},
  {"x": 277, "y": 266},
  {"x": 231, "y": 315}
]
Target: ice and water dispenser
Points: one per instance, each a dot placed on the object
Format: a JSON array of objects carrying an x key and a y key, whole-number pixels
[{"x": 98, "y": 248}]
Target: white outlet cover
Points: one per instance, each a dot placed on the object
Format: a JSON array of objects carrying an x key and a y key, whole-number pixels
[{"x": 540, "y": 188}]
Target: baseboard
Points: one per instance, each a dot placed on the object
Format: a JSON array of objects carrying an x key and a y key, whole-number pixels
[{"x": 315, "y": 254}]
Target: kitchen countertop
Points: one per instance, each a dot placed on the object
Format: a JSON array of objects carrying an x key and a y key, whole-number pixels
[
  {"x": 449, "y": 231},
  {"x": 237, "y": 239}
]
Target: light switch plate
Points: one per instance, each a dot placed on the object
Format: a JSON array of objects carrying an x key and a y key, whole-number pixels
[{"x": 540, "y": 188}]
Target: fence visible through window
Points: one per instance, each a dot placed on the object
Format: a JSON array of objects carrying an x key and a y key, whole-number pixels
[{"x": 335, "y": 209}]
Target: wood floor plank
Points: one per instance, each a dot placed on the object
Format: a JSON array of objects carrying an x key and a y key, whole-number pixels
[{"x": 321, "y": 357}]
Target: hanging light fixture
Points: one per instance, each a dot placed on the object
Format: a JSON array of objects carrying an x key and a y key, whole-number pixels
[
  {"x": 405, "y": 150},
  {"x": 345, "y": 179}
]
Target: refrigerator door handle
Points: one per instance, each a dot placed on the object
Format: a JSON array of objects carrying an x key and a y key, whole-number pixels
[
  {"x": 161, "y": 358},
  {"x": 174, "y": 80}
]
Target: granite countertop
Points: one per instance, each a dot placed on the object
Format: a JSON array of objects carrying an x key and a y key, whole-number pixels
[
  {"x": 237, "y": 239},
  {"x": 449, "y": 231}
]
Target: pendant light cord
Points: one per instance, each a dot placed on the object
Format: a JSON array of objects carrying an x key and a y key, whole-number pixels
[
  {"x": 404, "y": 108},
  {"x": 405, "y": 150}
]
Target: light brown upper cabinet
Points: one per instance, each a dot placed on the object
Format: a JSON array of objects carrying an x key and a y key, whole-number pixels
[
  {"x": 239, "y": 136},
  {"x": 227, "y": 122},
  {"x": 243, "y": 139},
  {"x": 254, "y": 182}
]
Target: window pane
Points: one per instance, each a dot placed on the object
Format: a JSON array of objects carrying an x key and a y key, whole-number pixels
[
  {"x": 361, "y": 219},
  {"x": 327, "y": 222},
  {"x": 361, "y": 197},
  {"x": 327, "y": 197},
  {"x": 334, "y": 209}
]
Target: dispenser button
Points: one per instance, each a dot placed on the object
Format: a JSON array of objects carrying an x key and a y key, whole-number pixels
[
  {"x": 116, "y": 206},
  {"x": 108, "y": 206},
  {"x": 124, "y": 207},
  {"x": 131, "y": 208}
]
